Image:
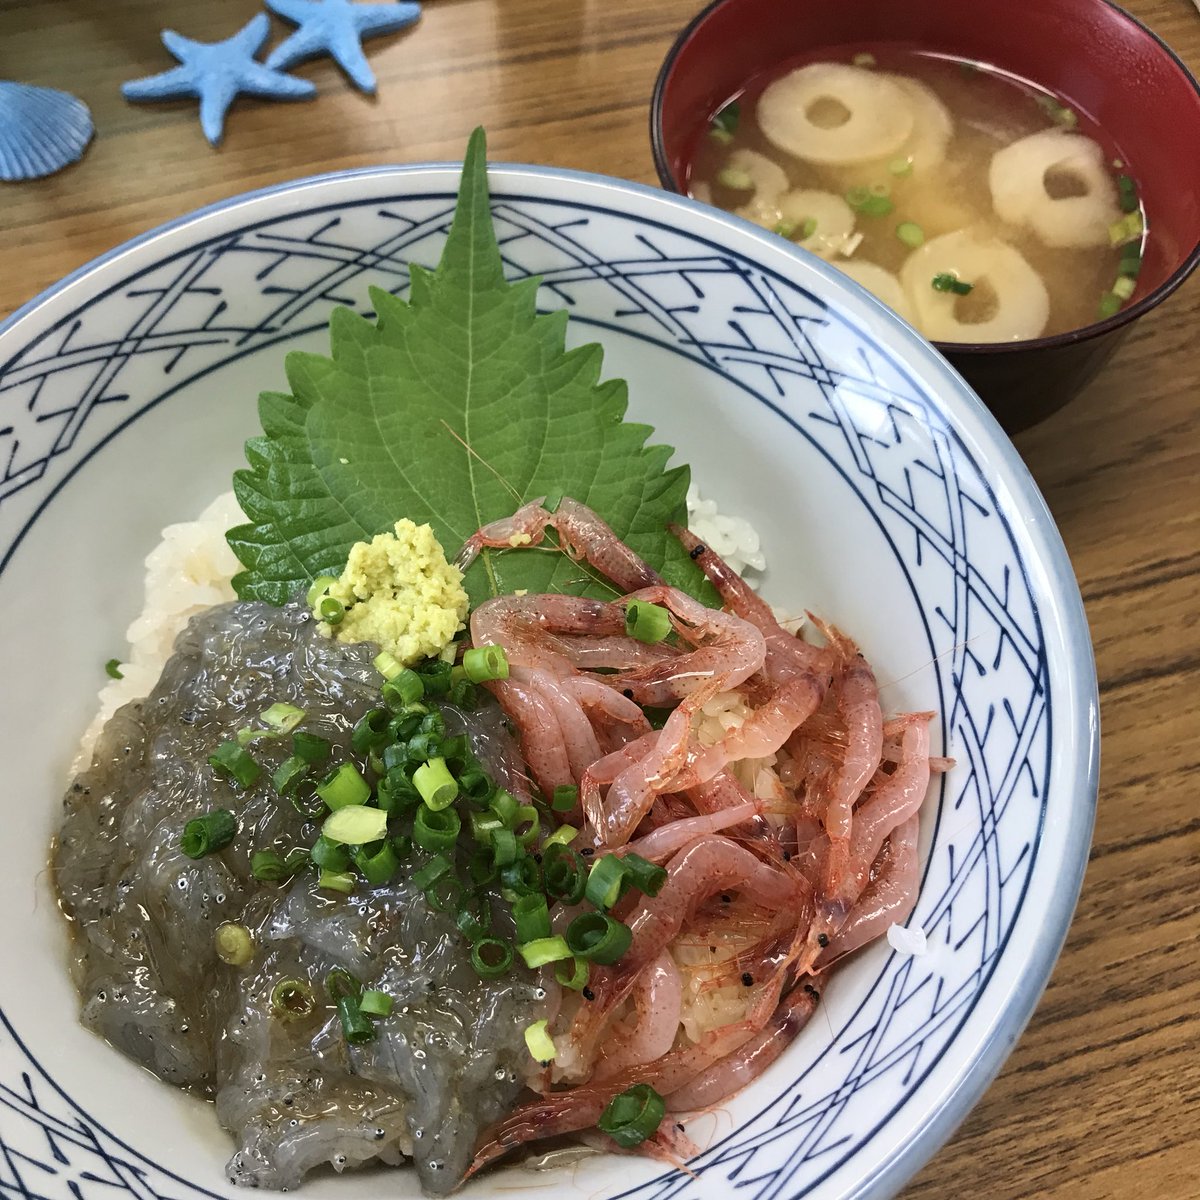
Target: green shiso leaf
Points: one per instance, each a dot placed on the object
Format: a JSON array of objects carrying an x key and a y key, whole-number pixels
[{"x": 381, "y": 429}]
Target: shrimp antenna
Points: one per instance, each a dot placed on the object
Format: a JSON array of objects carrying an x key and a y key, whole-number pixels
[{"x": 479, "y": 457}]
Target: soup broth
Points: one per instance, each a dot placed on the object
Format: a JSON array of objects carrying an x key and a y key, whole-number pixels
[{"x": 978, "y": 207}]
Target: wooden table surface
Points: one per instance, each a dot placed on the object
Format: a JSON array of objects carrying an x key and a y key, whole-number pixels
[{"x": 1101, "y": 1097}]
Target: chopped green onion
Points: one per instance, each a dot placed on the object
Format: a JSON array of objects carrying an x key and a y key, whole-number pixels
[
  {"x": 329, "y": 856},
  {"x": 564, "y": 873},
  {"x": 482, "y": 664},
  {"x": 113, "y": 670},
  {"x": 646, "y": 876},
  {"x": 606, "y": 881},
  {"x": 356, "y": 1028},
  {"x": 491, "y": 957},
  {"x": 311, "y": 747},
  {"x": 532, "y": 916},
  {"x": 422, "y": 747},
  {"x": 1129, "y": 228},
  {"x": 1058, "y": 112},
  {"x": 911, "y": 234},
  {"x": 900, "y": 167},
  {"x": 735, "y": 178},
  {"x": 339, "y": 982},
  {"x": 785, "y": 228},
  {"x": 476, "y": 786},
  {"x": 504, "y": 805},
  {"x": 1109, "y": 306},
  {"x": 233, "y": 944},
  {"x": 633, "y": 1116},
  {"x": 544, "y": 950},
  {"x": 432, "y": 723},
  {"x": 807, "y": 228},
  {"x": 343, "y": 787},
  {"x": 646, "y": 622},
  {"x": 522, "y": 877},
  {"x": 247, "y": 734},
  {"x": 403, "y": 689},
  {"x": 330, "y": 610},
  {"x": 1131, "y": 260},
  {"x": 354, "y": 825},
  {"x": 336, "y": 881},
  {"x": 528, "y": 824},
  {"x": 389, "y": 666},
  {"x": 320, "y": 586},
  {"x": 1124, "y": 287},
  {"x": 484, "y": 826},
  {"x": 431, "y": 872},
  {"x": 573, "y": 973},
  {"x": 724, "y": 125},
  {"x": 232, "y": 762},
  {"x": 283, "y": 717},
  {"x": 377, "y": 862},
  {"x": 292, "y": 1000},
  {"x": 948, "y": 282},
  {"x": 402, "y": 844},
  {"x": 871, "y": 202},
  {"x": 1127, "y": 194},
  {"x": 598, "y": 937},
  {"x": 482, "y": 867},
  {"x": 211, "y": 832},
  {"x": 540, "y": 1043},
  {"x": 436, "y": 829},
  {"x": 376, "y": 1004},
  {"x": 463, "y": 693},
  {"x": 371, "y": 731},
  {"x": 268, "y": 867},
  {"x": 436, "y": 676},
  {"x": 437, "y": 786},
  {"x": 566, "y": 796},
  {"x": 445, "y": 895},
  {"x": 564, "y": 835},
  {"x": 288, "y": 775},
  {"x": 863, "y": 60},
  {"x": 469, "y": 924},
  {"x": 457, "y": 750},
  {"x": 504, "y": 847}
]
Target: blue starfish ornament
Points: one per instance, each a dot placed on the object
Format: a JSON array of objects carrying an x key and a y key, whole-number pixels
[
  {"x": 216, "y": 72},
  {"x": 336, "y": 28}
]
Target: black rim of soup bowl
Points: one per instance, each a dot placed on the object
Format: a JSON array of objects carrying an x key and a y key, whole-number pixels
[{"x": 1070, "y": 337}]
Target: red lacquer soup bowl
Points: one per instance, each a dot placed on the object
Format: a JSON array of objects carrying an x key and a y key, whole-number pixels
[{"x": 1094, "y": 56}]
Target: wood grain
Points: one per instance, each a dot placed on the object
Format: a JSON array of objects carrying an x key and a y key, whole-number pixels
[{"x": 1101, "y": 1097}]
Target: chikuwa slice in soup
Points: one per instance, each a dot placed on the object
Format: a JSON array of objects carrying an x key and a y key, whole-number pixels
[{"x": 977, "y": 207}]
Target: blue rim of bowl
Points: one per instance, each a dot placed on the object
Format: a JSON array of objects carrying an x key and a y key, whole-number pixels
[
  {"x": 937, "y": 1125},
  {"x": 1071, "y": 337}
]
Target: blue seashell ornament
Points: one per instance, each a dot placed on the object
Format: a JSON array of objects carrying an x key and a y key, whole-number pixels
[{"x": 42, "y": 130}]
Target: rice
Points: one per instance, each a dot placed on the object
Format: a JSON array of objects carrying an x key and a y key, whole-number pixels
[
  {"x": 188, "y": 571},
  {"x": 907, "y": 941},
  {"x": 733, "y": 538}
]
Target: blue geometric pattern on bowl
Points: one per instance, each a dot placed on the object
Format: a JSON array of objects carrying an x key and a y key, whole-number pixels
[{"x": 664, "y": 285}]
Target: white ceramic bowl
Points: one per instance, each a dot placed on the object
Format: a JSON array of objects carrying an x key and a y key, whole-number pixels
[{"x": 888, "y": 501}]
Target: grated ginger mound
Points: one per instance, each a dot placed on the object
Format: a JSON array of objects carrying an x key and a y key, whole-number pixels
[{"x": 400, "y": 592}]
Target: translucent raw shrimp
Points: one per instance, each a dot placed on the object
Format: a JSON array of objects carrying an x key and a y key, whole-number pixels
[
  {"x": 657, "y": 1001},
  {"x": 608, "y": 706},
  {"x": 579, "y": 738},
  {"x": 582, "y": 534},
  {"x": 846, "y": 864},
  {"x": 786, "y": 654},
  {"x": 720, "y": 794},
  {"x": 733, "y": 1072},
  {"x": 543, "y": 746},
  {"x": 725, "y": 648},
  {"x": 888, "y": 900},
  {"x": 530, "y": 627},
  {"x": 711, "y": 864},
  {"x": 670, "y": 839}
]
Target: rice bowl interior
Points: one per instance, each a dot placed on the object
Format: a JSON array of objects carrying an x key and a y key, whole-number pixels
[{"x": 799, "y": 450}]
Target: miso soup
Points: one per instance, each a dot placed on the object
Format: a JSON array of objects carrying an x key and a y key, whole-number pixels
[{"x": 978, "y": 207}]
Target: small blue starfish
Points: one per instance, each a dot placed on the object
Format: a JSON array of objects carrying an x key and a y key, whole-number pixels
[
  {"x": 216, "y": 72},
  {"x": 336, "y": 28}
]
